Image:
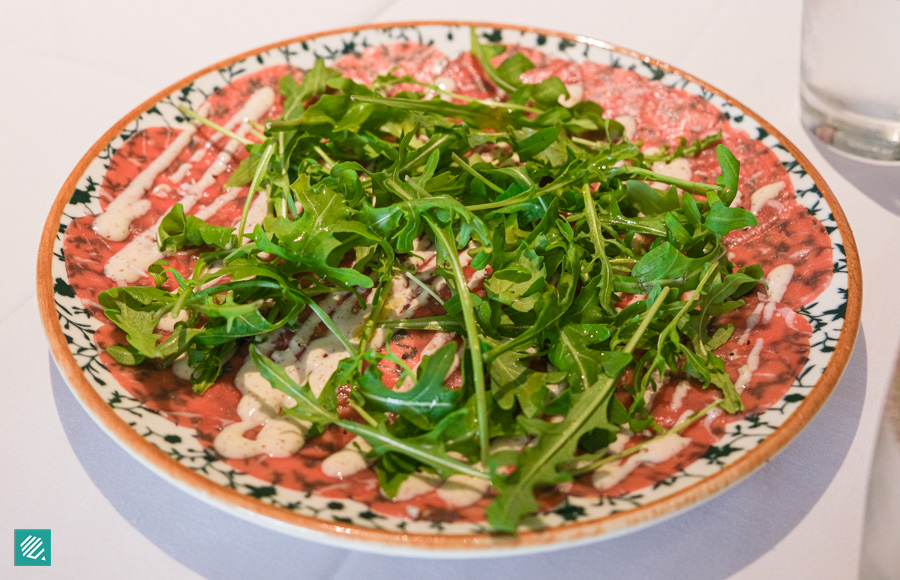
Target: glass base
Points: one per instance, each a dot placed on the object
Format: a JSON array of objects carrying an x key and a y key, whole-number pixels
[{"x": 852, "y": 133}]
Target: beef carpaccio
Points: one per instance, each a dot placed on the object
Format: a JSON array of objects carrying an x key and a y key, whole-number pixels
[{"x": 160, "y": 166}]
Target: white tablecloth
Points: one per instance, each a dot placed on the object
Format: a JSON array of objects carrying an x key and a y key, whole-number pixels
[{"x": 71, "y": 69}]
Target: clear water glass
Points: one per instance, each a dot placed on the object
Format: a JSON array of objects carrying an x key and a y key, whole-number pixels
[{"x": 850, "y": 75}]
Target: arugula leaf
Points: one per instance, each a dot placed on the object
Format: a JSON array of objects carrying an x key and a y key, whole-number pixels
[
  {"x": 729, "y": 177},
  {"x": 429, "y": 400},
  {"x": 483, "y": 53},
  {"x": 307, "y": 408},
  {"x": 572, "y": 353},
  {"x": 401, "y": 223},
  {"x": 382, "y": 441},
  {"x": 136, "y": 310},
  {"x": 320, "y": 237},
  {"x": 516, "y": 285},
  {"x": 536, "y": 142},
  {"x": 651, "y": 201},
  {"x": 666, "y": 264},
  {"x": 512, "y": 68},
  {"x": 722, "y": 219},
  {"x": 513, "y": 382},
  {"x": 556, "y": 444},
  {"x": 177, "y": 231},
  {"x": 314, "y": 83}
]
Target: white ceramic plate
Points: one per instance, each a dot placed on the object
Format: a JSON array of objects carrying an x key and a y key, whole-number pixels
[{"x": 176, "y": 453}]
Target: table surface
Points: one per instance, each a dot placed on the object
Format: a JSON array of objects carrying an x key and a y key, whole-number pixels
[{"x": 72, "y": 69}]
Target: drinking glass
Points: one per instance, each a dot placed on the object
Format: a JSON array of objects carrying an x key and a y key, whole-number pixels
[{"x": 850, "y": 75}]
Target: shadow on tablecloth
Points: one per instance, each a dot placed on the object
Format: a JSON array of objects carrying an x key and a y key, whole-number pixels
[
  {"x": 879, "y": 181},
  {"x": 710, "y": 542}
]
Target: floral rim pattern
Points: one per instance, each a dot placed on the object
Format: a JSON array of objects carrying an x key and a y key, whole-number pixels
[{"x": 177, "y": 453}]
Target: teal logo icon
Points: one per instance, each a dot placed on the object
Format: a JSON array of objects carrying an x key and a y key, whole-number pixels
[{"x": 32, "y": 547}]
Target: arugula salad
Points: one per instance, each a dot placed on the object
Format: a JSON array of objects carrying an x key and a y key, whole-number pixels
[{"x": 597, "y": 285}]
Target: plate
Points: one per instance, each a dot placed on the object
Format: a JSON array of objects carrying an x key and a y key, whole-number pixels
[{"x": 828, "y": 305}]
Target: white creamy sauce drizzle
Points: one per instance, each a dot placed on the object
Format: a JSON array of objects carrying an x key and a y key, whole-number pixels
[
  {"x": 678, "y": 168},
  {"x": 407, "y": 297},
  {"x": 180, "y": 172},
  {"x": 658, "y": 451},
  {"x": 302, "y": 337},
  {"x": 199, "y": 154},
  {"x": 260, "y": 406},
  {"x": 445, "y": 84},
  {"x": 304, "y": 360},
  {"x": 684, "y": 417},
  {"x": 752, "y": 321},
  {"x": 765, "y": 194},
  {"x": 403, "y": 301},
  {"x": 131, "y": 262},
  {"x": 463, "y": 490},
  {"x": 629, "y": 124},
  {"x": 617, "y": 446},
  {"x": 422, "y": 255},
  {"x": 213, "y": 208},
  {"x": 622, "y": 438},
  {"x": 778, "y": 280},
  {"x": 652, "y": 389},
  {"x": 161, "y": 190},
  {"x": 477, "y": 278},
  {"x": 509, "y": 443},
  {"x": 745, "y": 373},
  {"x": 348, "y": 461},
  {"x": 576, "y": 94},
  {"x": 212, "y": 268},
  {"x": 711, "y": 417},
  {"x": 181, "y": 368},
  {"x": 257, "y": 212},
  {"x": 681, "y": 391},
  {"x": 114, "y": 223},
  {"x": 456, "y": 491},
  {"x": 419, "y": 483},
  {"x": 320, "y": 357},
  {"x": 167, "y": 321}
]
